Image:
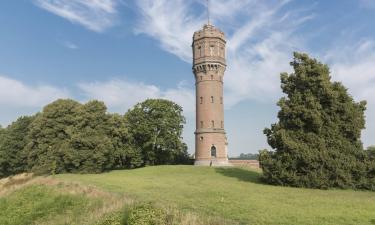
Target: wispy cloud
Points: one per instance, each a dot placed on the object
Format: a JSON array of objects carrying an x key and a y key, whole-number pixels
[
  {"x": 70, "y": 45},
  {"x": 120, "y": 95},
  {"x": 96, "y": 15},
  {"x": 170, "y": 23},
  {"x": 259, "y": 33},
  {"x": 14, "y": 93}
]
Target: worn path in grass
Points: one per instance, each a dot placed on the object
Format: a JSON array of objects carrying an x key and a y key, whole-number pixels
[{"x": 236, "y": 194}]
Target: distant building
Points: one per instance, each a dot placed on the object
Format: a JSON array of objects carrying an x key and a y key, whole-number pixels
[{"x": 209, "y": 66}]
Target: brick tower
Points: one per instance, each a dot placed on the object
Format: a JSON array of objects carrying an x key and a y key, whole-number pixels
[{"x": 209, "y": 66}]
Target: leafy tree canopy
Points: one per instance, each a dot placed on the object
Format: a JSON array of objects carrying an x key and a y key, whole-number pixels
[
  {"x": 13, "y": 139},
  {"x": 317, "y": 139},
  {"x": 70, "y": 137},
  {"x": 156, "y": 127}
]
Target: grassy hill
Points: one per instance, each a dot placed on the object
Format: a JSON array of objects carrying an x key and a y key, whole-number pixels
[{"x": 196, "y": 195}]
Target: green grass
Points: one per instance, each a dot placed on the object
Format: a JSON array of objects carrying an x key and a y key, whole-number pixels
[
  {"x": 235, "y": 194},
  {"x": 34, "y": 204}
]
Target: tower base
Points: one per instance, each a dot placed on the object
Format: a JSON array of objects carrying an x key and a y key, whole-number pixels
[{"x": 216, "y": 163}]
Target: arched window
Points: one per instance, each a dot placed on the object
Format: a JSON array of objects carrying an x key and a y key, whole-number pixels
[
  {"x": 212, "y": 99},
  {"x": 213, "y": 123},
  {"x": 213, "y": 152},
  {"x": 201, "y": 100}
]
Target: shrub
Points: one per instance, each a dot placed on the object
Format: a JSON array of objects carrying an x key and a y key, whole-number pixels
[{"x": 146, "y": 214}]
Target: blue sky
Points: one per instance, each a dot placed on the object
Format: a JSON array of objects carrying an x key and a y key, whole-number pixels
[{"x": 124, "y": 51}]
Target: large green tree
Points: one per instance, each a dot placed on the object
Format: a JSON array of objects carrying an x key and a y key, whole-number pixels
[
  {"x": 50, "y": 137},
  {"x": 156, "y": 127},
  {"x": 13, "y": 139},
  {"x": 91, "y": 149},
  {"x": 317, "y": 139},
  {"x": 126, "y": 153}
]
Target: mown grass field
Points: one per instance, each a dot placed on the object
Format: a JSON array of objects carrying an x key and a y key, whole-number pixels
[
  {"x": 236, "y": 194},
  {"x": 224, "y": 195}
]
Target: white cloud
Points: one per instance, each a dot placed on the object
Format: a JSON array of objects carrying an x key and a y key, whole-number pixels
[
  {"x": 96, "y": 15},
  {"x": 170, "y": 23},
  {"x": 259, "y": 38},
  {"x": 70, "y": 45},
  {"x": 14, "y": 93},
  {"x": 120, "y": 95}
]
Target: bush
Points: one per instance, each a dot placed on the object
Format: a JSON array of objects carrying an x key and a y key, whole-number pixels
[{"x": 146, "y": 214}]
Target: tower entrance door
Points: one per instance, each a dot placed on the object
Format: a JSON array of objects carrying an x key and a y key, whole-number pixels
[{"x": 213, "y": 152}]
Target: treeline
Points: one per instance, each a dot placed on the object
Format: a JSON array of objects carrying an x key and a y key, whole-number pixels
[
  {"x": 317, "y": 140},
  {"x": 70, "y": 137}
]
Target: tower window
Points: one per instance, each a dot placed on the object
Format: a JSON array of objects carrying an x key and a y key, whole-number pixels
[
  {"x": 222, "y": 124},
  {"x": 212, "y": 77},
  {"x": 212, "y": 49},
  {"x": 201, "y": 100},
  {"x": 212, "y": 99},
  {"x": 213, "y": 124},
  {"x": 200, "y": 51},
  {"x": 213, "y": 152},
  {"x": 221, "y": 100},
  {"x": 201, "y": 78},
  {"x": 201, "y": 124},
  {"x": 201, "y": 138}
]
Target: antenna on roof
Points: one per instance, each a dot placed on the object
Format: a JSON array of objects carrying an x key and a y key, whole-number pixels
[{"x": 208, "y": 12}]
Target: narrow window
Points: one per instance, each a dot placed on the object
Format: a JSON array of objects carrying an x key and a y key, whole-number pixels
[
  {"x": 212, "y": 99},
  {"x": 212, "y": 49},
  {"x": 200, "y": 51},
  {"x": 222, "y": 124},
  {"x": 201, "y": 100},
  {"x": 221, "y": 100},
  {"x": 213, "y": 152},
  {"x": 213, "y": 124},
  {"x": 201, "y": 78},
  {"x": 201, "y": 124},
  {"x": 212, "y": 77}
]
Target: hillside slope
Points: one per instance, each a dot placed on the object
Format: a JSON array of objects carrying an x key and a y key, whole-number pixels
[
  {"x": 235, "y": 194},
  {"x": 188, "y": 195}
]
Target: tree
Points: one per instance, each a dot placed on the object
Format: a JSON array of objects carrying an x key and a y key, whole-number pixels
[
  {"x": 371, "y": 166},
  {"x": 50, "y": 135},
  {"x": 91, "y": 149},
  {"x": 156, "y": 127},
  {"x": 126, "y": 153},
  {"x": 13, "y": 139},
  {"x": 317, "y": 139}
]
